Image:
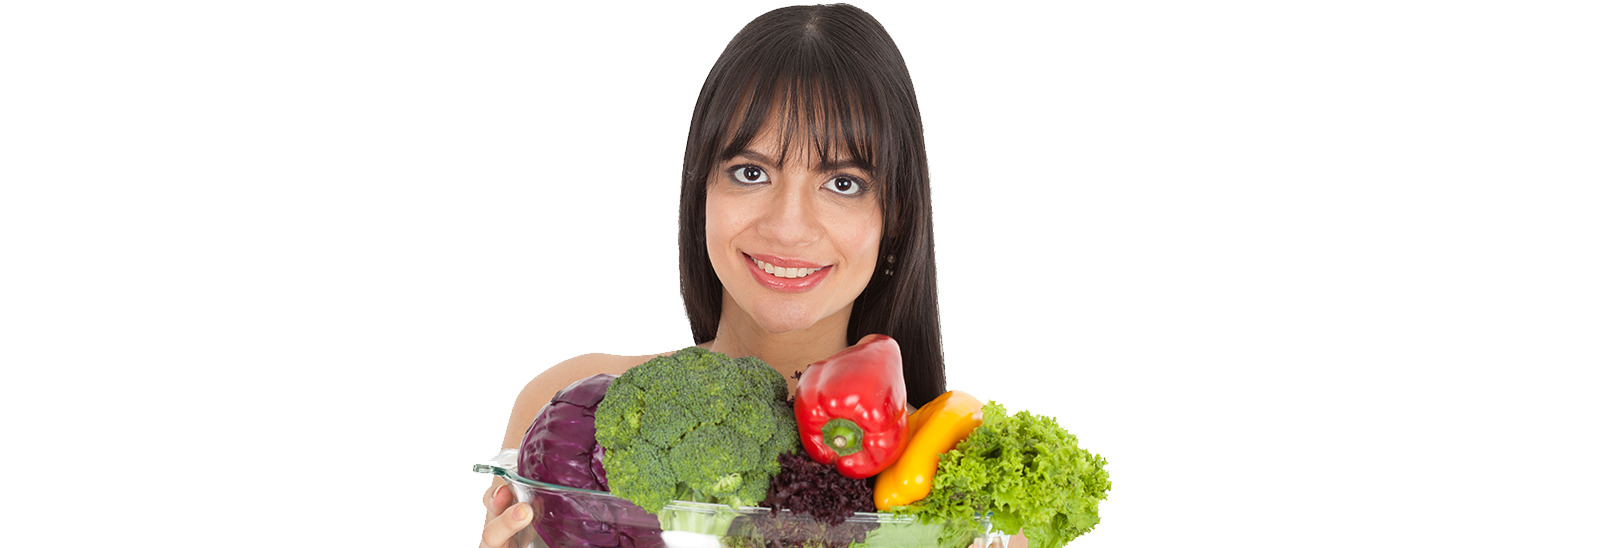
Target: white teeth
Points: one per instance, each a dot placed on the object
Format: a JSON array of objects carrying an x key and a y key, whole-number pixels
[{"x": 784, "y": 272}]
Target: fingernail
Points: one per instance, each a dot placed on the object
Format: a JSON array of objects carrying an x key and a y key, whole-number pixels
[
  {"x": 519, "y": 512},
  {"x": 497, "y": 491}
]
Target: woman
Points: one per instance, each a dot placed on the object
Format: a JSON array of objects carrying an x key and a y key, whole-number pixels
[{"x": 804, "y": 218}]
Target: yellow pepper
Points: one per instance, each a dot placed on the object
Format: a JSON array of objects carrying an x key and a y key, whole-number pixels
[{"x": 935, "y": 428}]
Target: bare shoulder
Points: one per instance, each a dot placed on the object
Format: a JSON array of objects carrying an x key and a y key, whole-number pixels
[
  {"x": 588, "y": 365},
  {"x": 544, "y": 386}
]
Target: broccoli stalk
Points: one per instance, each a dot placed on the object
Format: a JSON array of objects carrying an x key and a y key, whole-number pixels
[
  {"x": 695, "y": 426},
  {"x": 705, "y": 519}
]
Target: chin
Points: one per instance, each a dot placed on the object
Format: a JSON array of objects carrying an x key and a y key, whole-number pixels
[{"x": 781, "y": 322}]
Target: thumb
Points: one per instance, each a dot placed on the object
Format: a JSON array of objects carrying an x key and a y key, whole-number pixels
[{"x": 499, "y": 532}]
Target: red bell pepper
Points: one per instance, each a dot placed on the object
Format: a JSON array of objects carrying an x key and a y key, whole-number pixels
[{"x": 851, "y": 408}]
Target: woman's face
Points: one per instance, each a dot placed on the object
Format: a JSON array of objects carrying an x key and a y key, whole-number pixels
[{"x": 796, "y": 244}]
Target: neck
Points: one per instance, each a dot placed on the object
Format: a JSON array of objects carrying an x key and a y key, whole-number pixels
[{"x": 739, "y": 335}]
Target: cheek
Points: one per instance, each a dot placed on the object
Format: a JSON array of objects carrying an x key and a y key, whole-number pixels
[
  {"x": 860, "y": 242},
  {"x": 719, "y": 227}
]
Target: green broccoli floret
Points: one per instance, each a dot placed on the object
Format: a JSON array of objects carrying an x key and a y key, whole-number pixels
[
  {"x": 644, "y": 469},
  {"x": 697, "y": 426}
]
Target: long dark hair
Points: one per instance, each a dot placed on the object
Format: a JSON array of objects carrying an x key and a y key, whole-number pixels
[{"x": 845, "y": 89}]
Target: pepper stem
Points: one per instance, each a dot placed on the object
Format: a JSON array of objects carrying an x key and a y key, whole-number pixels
[{"x": 843, "y": 436}]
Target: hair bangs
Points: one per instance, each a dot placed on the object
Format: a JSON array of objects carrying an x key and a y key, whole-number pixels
[{"x": 815, "y": 101}]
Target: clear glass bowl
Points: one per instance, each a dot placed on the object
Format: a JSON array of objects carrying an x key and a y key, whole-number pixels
[{"x": 567, "y": 517}]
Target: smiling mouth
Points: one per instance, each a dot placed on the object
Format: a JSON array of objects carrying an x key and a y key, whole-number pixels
[{"x": 783, "y": 272}]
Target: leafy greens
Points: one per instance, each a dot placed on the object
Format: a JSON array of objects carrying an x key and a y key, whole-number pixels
[{"x": 1024, "y": 472}]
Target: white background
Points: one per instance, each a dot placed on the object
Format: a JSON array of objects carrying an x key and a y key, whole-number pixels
[{"x": 580, "y": 114}]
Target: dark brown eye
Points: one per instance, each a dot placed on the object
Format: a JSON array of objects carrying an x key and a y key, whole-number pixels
[
  {"x": 844, "y": 185},
  {"x": 748, "y": 175}
]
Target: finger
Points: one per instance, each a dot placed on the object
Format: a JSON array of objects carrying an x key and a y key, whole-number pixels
[
  {"x": 494, "y": 500},
  {"x": 504, "y": 498},
  {"x": 498, "y": 532}
]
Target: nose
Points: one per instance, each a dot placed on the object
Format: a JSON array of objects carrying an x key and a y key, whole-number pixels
[{"x": 790, "y": 219}]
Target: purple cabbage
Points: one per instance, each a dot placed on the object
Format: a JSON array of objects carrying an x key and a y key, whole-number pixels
[{"x": 559, "y": 448}]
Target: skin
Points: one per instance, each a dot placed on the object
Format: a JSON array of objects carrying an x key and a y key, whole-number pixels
[{"x": 822, "y": 213}]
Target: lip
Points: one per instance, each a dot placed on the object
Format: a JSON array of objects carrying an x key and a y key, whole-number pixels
[{"x": 786, "y": 285}]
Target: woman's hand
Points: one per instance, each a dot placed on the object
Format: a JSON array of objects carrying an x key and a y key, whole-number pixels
[{"x": 503, "y": 519}]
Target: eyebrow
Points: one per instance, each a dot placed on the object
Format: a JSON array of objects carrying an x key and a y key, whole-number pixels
[{"x": 826, "y": 166}]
